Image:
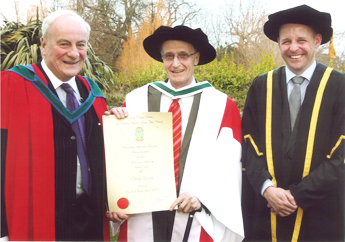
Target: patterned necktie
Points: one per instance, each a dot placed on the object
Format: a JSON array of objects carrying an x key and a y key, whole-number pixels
[
  {"x": 295, "y": 99},
  {"x": 78, "y": 127},
  {"x": 176, "y": 117}
]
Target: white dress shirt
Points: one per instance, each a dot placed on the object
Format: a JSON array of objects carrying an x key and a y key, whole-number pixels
[
  {"x": 307, "y": 74},
  {"x": 185, "y": 105}
]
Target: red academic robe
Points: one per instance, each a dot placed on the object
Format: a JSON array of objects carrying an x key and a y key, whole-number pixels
[{"x": 29, "y": 183}]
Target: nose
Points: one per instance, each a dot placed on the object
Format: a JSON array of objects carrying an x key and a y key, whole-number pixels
[
  {"x": 73, "y": 52},
  {"x": 294, "y": 46},
  {"x": 176, "y": 61}
]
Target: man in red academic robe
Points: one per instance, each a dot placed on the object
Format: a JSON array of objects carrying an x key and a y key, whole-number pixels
[{"x": 51, "y": 188}]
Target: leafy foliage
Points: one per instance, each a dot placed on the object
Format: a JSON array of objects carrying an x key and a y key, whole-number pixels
[
  {"x": 127, "y": 81},
  {"x": 225, "y": 75},
  {"x": 20, "y": 45},
  {"x": 234, "y": 79}
]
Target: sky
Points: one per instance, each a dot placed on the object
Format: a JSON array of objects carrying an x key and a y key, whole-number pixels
[
  {"x": 334, "y": 7},
  {"x": 8, "y": 9}
]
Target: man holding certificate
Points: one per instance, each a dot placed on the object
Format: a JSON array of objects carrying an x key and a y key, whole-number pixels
[{"x": 206, "y": 141}]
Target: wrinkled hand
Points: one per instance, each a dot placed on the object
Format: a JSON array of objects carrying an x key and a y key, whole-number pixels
[
  {"x": 116, "y": 217},
  {"x": 280, "y": 201},
  {"x": 187, "y": 203},
  {"x": 119, "y": 112}
]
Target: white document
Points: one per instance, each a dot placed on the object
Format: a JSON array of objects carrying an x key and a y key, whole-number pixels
[{"x": 139, "y": 162}]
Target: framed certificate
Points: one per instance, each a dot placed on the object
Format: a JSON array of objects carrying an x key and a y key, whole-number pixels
[{"x": 139, "y": 162}]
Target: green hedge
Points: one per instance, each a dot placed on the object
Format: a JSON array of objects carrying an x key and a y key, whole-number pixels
[{"x": 225, "y": 75}]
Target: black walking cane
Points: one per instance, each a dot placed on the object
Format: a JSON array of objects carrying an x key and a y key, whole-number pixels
[
  {"x": 190, "y": 221},
  {"x": 189, "y": 226}
]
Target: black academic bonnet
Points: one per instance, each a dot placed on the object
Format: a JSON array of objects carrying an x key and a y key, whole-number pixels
[
  {"x": 321, "y": 22},
  {"x": 153, "y": 43}
]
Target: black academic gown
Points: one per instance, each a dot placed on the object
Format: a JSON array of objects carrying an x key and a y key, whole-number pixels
[{"x": 321, "y": 193}]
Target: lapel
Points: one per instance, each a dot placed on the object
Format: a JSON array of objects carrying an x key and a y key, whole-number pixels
[
  {"x": 51, "y": 87},
  {"x": 286, "y": 123},
  {"x": 191, "y": 122},
  {"x": 89, "y": 125},
  {"x": 154, "y": 100},
  {"x": 188, "y": 135},
  {"x": 281, "y": 119},
  {"x": 83, "y": 93}
]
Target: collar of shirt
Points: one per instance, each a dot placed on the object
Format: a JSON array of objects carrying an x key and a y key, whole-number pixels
[
  {"x": 56, "y": 82},
  {"x": 185, "y": 100},
  {"x": 306, "y": 74}
]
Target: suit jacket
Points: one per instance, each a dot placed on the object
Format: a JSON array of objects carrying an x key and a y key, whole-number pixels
[
  {"x": 66, "y": 169},
  {"x": 317, "y": 194}
]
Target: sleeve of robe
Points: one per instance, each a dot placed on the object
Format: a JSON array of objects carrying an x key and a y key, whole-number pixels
[
  {"x": 4, "y": 108},
  {"x": 253, "y": 145}
]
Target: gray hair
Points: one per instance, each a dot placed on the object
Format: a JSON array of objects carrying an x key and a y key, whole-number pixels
[{"x": 50, "y": 19}]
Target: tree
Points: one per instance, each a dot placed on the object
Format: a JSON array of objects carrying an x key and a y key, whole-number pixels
[
  {"x": 178, "y": 12},
  {"x": 20, "y": 45},
  {"x": 157, "y": 13},
  {"x": 245, "y": 21},
  {"x": 110, "y": 21}
]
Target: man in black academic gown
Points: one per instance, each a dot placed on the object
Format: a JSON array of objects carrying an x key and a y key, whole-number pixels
[{"x": 293, "y": 131}]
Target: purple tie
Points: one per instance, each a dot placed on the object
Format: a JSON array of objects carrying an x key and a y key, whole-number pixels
[{"x": 78, "y": 127}]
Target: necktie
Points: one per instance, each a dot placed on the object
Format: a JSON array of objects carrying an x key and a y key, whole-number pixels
[
  {"x": 176, "y": 116},
  {"x": 295, "y": 99},
  {"x": 78, "y": 127}
]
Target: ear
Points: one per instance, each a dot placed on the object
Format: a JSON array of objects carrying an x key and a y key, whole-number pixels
[
  {"x": 278, "y": 41},
  {"x": 196, "y": 59},
  {"x": 318, "y": 40},
  {"x": 43, "y": 46}
]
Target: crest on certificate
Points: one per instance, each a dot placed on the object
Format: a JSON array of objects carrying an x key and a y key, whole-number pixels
[{"x": 139, "y": 134}]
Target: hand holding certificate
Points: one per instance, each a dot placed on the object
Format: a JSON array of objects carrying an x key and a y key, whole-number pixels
[{"x": 139, "y": 162}]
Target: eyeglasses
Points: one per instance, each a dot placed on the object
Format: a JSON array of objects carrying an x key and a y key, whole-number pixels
[{"x": 169, "y": 57}]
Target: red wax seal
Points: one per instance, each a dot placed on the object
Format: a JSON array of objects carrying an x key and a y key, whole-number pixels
[{"x": 123, "y": 203}]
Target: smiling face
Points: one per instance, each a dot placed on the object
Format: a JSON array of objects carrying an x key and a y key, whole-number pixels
[
  {"x": 298, "y": 44},
  {"x": 65, "y": 47},
  {"x": 180, "y": 73}
]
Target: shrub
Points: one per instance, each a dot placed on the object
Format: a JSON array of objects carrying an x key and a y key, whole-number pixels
[{"x": 228, "y": 77}]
